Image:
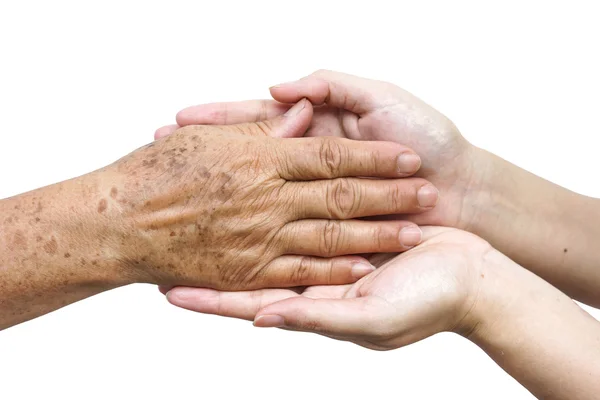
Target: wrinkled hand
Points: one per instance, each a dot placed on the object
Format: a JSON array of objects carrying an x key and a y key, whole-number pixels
[
  {"x": 364, "y": 109},
  {"x": 229, "y": 207},
  {"x": 426, "y": 290}
]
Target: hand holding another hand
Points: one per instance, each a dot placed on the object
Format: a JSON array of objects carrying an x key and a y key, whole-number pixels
[
  {"x": 230, "y": 207},
  {"x": 429, "y": 289},
  {"x": 364, "y": 109}
]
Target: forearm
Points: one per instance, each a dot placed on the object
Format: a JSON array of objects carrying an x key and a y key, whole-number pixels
[
  {"x": 550, "y": 230},
  {"x": 56, "y": 248},
  {"x": 537, "y": 334}
]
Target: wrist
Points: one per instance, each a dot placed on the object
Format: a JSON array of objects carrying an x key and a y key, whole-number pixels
[
  {"x": 478, "y": 188},
  {"x": 88, "y": 229},
  {"x": 496, "y": 299}
]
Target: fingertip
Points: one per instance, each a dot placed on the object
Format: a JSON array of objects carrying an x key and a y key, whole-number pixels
[
  {"x": 408, "y": 163},
  {"x": 410, "y": 236},
  {"x": 287, "y": 92},
  {"x": 164, "y": 289},
  {"x": 187, "y": 116},
  {"x": 362, "y": 269},
  {"x": 428, "y": 196},
  {"x": 180, "y": 295},
  {"x": 269, "y": 321},
  {"x": 165, "y": 131},
  {"x": 295, "y": 122}
]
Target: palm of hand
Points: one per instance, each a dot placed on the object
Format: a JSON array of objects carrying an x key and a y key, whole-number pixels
[
  {"x": 427, "y": 290},
  {"x": 411, "y": 296}
]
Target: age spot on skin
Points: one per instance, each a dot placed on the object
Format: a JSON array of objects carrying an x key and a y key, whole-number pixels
[
  {"x": 114, "y": 192},
  {"x": 67, "y": 255},
  {"x": 102, "y": 205},
  {"x": 51, "y": 246},
  {"x": 565, "y": 250},
  {"x": 19, "y": 240},
  {"x": 150, "y": 163}
]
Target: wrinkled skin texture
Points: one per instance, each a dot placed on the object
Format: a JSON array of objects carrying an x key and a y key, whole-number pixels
[
  {"x": 426, "y": 290},
  {"x": 230, "y": 207},
  {"x": 364, "y": 109}
]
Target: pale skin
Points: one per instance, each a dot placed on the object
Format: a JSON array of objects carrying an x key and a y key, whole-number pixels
[
  {"x": 229, "y": 207},
  {"x": 453, "y": 281}
]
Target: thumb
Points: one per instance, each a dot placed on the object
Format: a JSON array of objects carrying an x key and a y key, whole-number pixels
[
  {"x": 340, "y": 317},
  {"x": 348, "y": 92},
  {"x": 294, "y": 123}
]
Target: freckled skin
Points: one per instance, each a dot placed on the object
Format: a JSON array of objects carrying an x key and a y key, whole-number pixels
[
  {"x": 206, "y": 206},
  {"x": 102, "y": 205}
]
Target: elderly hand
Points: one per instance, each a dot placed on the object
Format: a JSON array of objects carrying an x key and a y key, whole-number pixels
[{"x": 229, "y": 207}]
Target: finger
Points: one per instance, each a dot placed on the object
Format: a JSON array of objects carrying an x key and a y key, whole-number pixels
[
  {"x": 329, "y": 238},
  {"x": 331, "y": 157},
  {"x": 347, "y": 198},
  {"x": 296, "y": 270},
  {"x": 165, "y": 131},
  {"x": 231, "y": 113},
  {"x": 293, "y": 123},
  {"x": 243, "y": 305},
  {"x": 164, "y": 289},
  {"x": 348, "y": 92},
  {"x": 340, "y": 317}
]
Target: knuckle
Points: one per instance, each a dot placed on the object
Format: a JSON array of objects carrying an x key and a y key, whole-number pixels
[
  {"x": 331, "y": 154},
  {"x": 312, "y": 325},
  {"x": 396, "y": 197},
  {"x": 379, "y": 235},
  {"x": 343, "y": 198},
  {"x": 331, "y": 240},
  {"x": 304, "y": 271}
]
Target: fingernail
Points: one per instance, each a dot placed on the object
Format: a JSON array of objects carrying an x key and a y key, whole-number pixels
[
  {"x": 361, "y": 269},
  {"x": 296, "y": 109},
  {"x": 408, "y": 163},
  {"x": 269, "y": 321},
  {"x": 427, "y": 196},
  {"x": 410, "y": 236}
]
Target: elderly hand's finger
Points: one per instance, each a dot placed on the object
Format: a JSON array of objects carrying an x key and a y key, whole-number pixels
[
  {"x": 347, "y": 198},
  {"x": 328, "y": 238},
  {"x": 298, "y": 270},
  {"x": 329, "y": 157}
]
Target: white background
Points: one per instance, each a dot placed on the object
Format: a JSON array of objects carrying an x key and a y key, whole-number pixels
[{"x": 83, "y": 83}]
